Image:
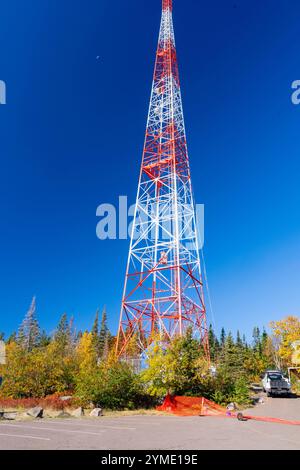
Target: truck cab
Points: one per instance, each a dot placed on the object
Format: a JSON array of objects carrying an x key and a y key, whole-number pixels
[{"x": 274, "y": 383}]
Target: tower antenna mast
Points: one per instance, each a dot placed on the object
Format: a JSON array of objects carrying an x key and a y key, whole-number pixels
[{"x": 163, "y": 289}]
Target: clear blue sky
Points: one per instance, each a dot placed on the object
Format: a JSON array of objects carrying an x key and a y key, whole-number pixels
[{"x": 72, "y": 134}]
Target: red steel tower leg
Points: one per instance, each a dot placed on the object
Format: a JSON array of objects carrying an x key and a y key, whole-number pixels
[{"x": 163, "y": 289}]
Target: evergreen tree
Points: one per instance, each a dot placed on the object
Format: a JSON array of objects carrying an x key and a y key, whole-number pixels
[
  {"x": 103, "y": 332},
  {"x": 255, "y": 336},
  {"x": 211, "y": 339},
  {"x": 79, "y": 336},
  {"x": 62, "y": 333},
  {"x": 29, "y": 331},
  {"x": 256, "y": 340},
  {"x": 95, "y": 334},
  {"x": 232, "y": 357},
  {"x": 2, "y": 336},
  {"x": 264, "y": 340},
  {"x": 95, "y": 327},
  {"x": 239, "y": 341},
  {"x": 213, "y": 344},
  {"x": 45, "y": 339},
  {"x": 222, "y": 337}
]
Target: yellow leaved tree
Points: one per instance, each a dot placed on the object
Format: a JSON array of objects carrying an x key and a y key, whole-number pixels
[
  {"x": 86, "y": 352},
  {"x": 285, "y": 333}
]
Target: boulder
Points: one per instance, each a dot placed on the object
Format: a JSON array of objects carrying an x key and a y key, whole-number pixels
[
  {"x": 78, "y": 412},
  {"x": 10, "y": 415},
  {"x": 96, "y": 412},
  {"x": 36, "y": 412}
]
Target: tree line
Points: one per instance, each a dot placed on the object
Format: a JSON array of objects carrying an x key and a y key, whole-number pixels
[{"x": 84, "y": 365}]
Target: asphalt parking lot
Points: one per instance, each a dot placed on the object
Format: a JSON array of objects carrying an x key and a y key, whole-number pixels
[{"x": 157, "y": 432}]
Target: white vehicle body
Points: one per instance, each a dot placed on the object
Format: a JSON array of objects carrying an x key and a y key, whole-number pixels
[{"x": 274, "y": 383}]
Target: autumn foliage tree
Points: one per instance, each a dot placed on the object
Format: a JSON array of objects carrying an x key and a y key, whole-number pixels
[
  {"x": 84, "y": 363},
  {"x": 285, "y": 333}
]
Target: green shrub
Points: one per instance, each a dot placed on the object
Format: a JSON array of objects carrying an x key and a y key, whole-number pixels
[
  {"x": 114, "y": 387},
  {"x": 226, "y": 389}
]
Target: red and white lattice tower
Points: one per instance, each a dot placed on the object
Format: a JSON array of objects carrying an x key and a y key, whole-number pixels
[{"x": 163, "y": 290}]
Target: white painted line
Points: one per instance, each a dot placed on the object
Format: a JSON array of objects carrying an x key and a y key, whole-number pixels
[
  {"x": 38, "y": 427},
  {"x": 119, "y": 427},
  {"x": 137, "y": 422},
  {"x": 102, "y": 426},
  {"x": 25, "y": 437}
]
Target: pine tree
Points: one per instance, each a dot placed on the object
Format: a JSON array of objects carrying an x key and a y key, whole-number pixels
[
  {"x": 95, "y": 334},
  {"x": 62, "y": 333},
  {"x": 2, "y": 336},
  {"x": 95, "y": 327},
  {"x": 255, "y": 335},
  {"x": 79, "y": 336},
  {"x": 222, "y": 337},
  {"x": 232, "y": 357},
  {"x": 103, "y": 332},
  {"x": 45, "y": 339},
  {"x": 29, "y": 331},
  {"x": 213, "y": 343},
  {"x": 239, "y": 341},
  {"x": 264, "y": 340},
  {"x": 256, "y": 340}
]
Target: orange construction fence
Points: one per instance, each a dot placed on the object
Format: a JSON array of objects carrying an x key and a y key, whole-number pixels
[
  {"x": 191, "y": 406},
  {"x": 200, "y": 406}
]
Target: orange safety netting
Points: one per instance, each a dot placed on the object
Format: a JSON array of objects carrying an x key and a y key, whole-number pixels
[
  {"x": 191, "y": 406},
  {"x": 200, "y": 406}
]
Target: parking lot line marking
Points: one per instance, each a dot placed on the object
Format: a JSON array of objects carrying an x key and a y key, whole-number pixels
[
  {"x": 36, "y": 428},
  {"x": 119, "y": 427},
  {"x": 26, "y": 437},
  {"x": 102, "y": 426},
  {"x": 145, "y": 421}
]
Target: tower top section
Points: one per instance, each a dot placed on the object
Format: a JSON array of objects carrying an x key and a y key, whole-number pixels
[{"x": 167, "y": 4}]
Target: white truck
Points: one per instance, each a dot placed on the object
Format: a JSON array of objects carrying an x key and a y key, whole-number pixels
[{"x": 274, "y": 383}]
